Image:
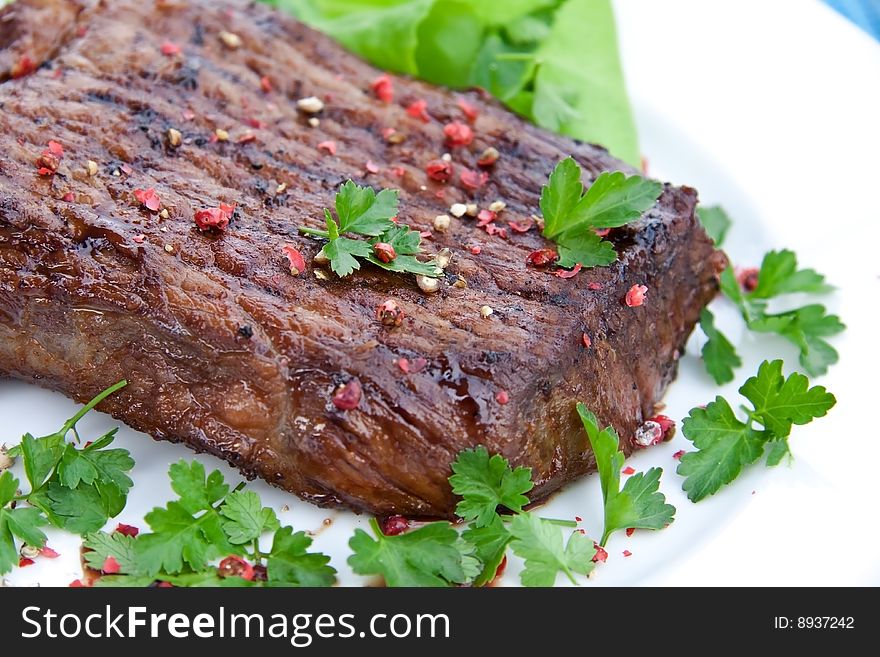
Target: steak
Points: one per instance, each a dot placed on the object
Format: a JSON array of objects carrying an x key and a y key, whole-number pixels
[{"x": 226, "y": 350}]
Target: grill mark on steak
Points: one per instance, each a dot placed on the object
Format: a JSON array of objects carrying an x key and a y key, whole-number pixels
[{"x": 230, "y": 354}]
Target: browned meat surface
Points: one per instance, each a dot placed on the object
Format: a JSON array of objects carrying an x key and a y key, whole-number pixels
[{"x": 228, "y": 352}]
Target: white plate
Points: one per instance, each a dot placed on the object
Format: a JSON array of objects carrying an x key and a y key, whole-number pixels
[{"x": 773, "y": 110}]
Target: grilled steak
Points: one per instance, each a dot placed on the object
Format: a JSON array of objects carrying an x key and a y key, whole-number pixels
[{"x": 229, "y": 352}]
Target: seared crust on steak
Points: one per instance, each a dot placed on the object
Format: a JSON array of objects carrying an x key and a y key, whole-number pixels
[{"x": 228, "y": 352}]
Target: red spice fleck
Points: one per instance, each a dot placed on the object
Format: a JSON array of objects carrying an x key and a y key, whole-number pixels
[
  {"x": 188, "y": 115},
  {"x": 502, "y": 397},
  {"x": 585, "y": 339},
  {"x": 22, "y": 68},
  {"x": 148, "y": 198},
  {"x": 77, "y": 584},
  {"x": 426, "y": 234},
  {"x": 389, "y": 313},
  {"x": 261, "y": 573},
  {"x": 215, "y": 217},
  {"x": 256, "y": 124},
  {"x": 594, "y": 286},
  {"x": 473, "y": 179},
  {"x": 294, "y": 259},
  {"x": 247, "y": 138},
  {"x": 486, "y": 217},
  {"x": 127, "y": 530},
  {"x": 164, "y": 585},
  {"x": 628, "y": 470},
  {"x": 636, "y": 295},
  {"x": 440, "y": 193},
  {"x": 387, "y": 132},
  {"x": 348, "y": 396},
  {"x": 383, "y": 88},
  {"x": 81, "y": 31},
  {"x": 371, "y": 167},
  {"x": 677, "y": 456},
  {"x": 266, "y": 84},
  {"x": 601, "y": 555},
  {"x": 48, "y": 552},
  {"x": 470, "y": 111},
  {"x": 68, "y": 197},
  {"x": 394, "y": 525},
  {"x": 414, "y": 366},
  {"x": 523, "y": 226},
  {"x": 110, "y": 566},
  {"x": 458, "y": 134},
  {"x": 50, "y": 159},
  {"x": 748, "y": 278},
  {"x": 384, "y": 251},
  {"x": 419, "y": 109},
  {"x": 667, "y": 426},
  {"x": 602, "y": 232},
  {"x": 578, "y": 519},
  {"x": 127, "y": 170},
  {"x": 627, "y": 553},
  {"x": 439, "y": 170},
  {"x": 476, "y": 250},
  {"x": 57, "y": 74},
  {"x": 24, "y": 561},
  {"x": 170, "y": 49},
  {"x": 565, "y": 273},
  {"x": 399, "y": 171},
  {"x": 542, "y": 257},
  {"x": 138, "y": 239},
  {"x": 329, "y": 146},
  {"x": 630, "y": 531},
  {"x": 233, "y": 566},
  {"x": 582, "y": 532}
]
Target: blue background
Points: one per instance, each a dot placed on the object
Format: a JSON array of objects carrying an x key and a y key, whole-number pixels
[{"x": 864, "y": 13}]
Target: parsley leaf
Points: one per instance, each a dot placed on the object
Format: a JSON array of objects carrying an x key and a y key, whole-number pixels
[
  {"x": 489, "y": 544},
  {"x": 245, "y": 517},
  {"x": 715, "y": 221},
  {"x": 486, "y": 483},
  {"x": 540, "y": 543},
  {"x": 428, "y": 556},
  {"x": 188, "y": 531},
  {"x": 290, "y": 564},
  {"x": 361, "y": 211},
  {"x": 119, "y": 546},
  {"x": 726, "y": 444},
  {"x": 718, "y": 353},
  {"x": 21, "y": 522},
  {"x": 639, "y": 504},
  {"x": 571, "y": 216},
  {"x": 806, "y": 327}
]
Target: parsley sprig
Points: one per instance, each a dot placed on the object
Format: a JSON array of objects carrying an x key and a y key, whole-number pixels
[
  {"x": 572, "y": 216},
  {"x": 71, "y": 487},
  {"x": 807, "y": 327},
  {"x": 639, "y": 505},
  {"x": 361, "y": 211},
  {"x": 726, "y": 444},
  {"x": 206, "y": 523}
]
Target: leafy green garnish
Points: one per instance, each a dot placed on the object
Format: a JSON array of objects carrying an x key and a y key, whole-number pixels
[
  {"x": 806, "y": 327},
  {"x": 428, "y": 556},
  {"x": 486, "y": 483},
  {"x": 571, "y": 216},
  {"x": 718, "y": 353},
  {"x": 726, "y": 444},
  {"x": 639, "y": 504},
  {"x": 715, "y": 221},
  {"x": 539, "y": 542},
  {"x": 74, "y": 488},
  {"x": 208, "y": 522},
  {"x": 553, "y": 61},
  {"x": 361, "y": 211}
]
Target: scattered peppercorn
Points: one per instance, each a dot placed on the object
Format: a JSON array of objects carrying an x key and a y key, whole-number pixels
[
  {"x": 394, "y": 525},
  {"x": 348, "y": 396},
  {"x": 489, "y": 157},
  {"x": 384, "y": 251},
  {"x": 383, "y": 88},
  {"x": 458, "y": 134},
  {"x": 439, "y": 170},
  {"x": 389, "y": 313},
  {"x": 294, "y": 259},
  {"x": 419, "y": 109},
  {"x": 635, "y": 297}
]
